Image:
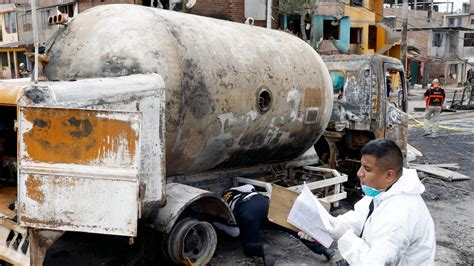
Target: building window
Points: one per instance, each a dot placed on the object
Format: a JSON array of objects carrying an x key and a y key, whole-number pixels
[
  {"x": 27, "y": 22},
  {"x": 331, "y": 29},
  {"x": 10, "y": 22},
  {"x": 454, "y": 22},
  {"x": 67, "y": 9},
  {"x": 437, "y": 39},
  {"x": 469, "y": 39},
  {"x": 356, "y": 35},
  {"x": 1, "y": 33},
  {"x": 453, "y": 71},
  {"x": 472, "y": 21},
  {"x": 44, "y": 19}
]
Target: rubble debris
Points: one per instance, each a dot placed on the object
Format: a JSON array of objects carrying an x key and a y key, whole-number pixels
[
  {"x": 450, "y": 166},
  {"x": 441, "y": 184},
  {"x": 439, "y": 172},
  {"x": 412, "y": 153}
]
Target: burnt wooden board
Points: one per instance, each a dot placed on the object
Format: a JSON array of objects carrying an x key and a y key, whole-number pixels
[
  {"x": 281, "y": 202},
  {"x": 444, "y": 174}
]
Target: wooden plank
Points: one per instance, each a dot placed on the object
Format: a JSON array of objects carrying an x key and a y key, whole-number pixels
[
  {"x": 450, "y": 166},
  {"x": 7, "y": 197},
  {"x": 281, "y": 202},
  {"x": 321, "y": 183},
  {"x": 444, "y": 174},
  {"x": 414, "y": 150},
  {"x": 333, "y": 198}
]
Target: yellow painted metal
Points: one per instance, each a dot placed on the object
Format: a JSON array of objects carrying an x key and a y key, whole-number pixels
[
  {"x": 9, "y": 93},
  {"x": 75, "y": 136}
]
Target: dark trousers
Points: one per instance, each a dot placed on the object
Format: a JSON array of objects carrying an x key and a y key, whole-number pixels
[{"x": 251, "y": 216}]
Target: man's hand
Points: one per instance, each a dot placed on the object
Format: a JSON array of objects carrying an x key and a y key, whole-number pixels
[
  {"x": 337, "y": 229},
  {"x": 305, "y": 236}
]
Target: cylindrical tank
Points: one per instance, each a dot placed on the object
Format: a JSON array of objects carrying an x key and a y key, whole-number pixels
[{"x": 236, "y": 95}]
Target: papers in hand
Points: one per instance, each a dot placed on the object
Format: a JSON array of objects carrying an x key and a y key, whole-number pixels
[{"x": 308, "y": 215}]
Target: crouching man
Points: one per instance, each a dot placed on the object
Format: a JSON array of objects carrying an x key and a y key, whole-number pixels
[
  {"x": 391, "y": 225},
  {"x": 250, "y": 209}
]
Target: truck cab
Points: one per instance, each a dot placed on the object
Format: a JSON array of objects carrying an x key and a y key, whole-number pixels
[{"x": 370, "y": 101}]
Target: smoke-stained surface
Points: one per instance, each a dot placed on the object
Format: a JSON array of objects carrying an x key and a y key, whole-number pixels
[{"x": 236, "y": 95}]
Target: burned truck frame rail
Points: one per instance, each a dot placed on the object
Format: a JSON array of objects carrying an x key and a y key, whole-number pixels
[{"x": 366, "y": 106}]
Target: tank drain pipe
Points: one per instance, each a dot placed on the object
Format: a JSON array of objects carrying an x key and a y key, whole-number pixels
[{"x": 35, "y": 38}]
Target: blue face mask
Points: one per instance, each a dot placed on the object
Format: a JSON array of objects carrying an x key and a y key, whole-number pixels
[{"x": 369, "y": 191}]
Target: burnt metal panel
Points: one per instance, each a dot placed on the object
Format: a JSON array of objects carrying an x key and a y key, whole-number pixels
[
  {"x": 91, "y": 153},
  {"x": 135, "y": 93},
  {"x": 74, "y": 136},
  {"x": 78, "y": 170}
]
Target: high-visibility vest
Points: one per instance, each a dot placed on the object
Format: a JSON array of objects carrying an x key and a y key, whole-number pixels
[{"x": 435, "y": 97}]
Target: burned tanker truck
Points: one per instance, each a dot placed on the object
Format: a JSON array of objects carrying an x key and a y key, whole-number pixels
[{"x": 147, "y": 115}]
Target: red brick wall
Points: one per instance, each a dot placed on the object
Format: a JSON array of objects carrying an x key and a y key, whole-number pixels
[
  {"x": 232, "y": 10},
  {"x": 436, "y": 70},
  {"x": 419, "y": 39},
  {"x": 86, "y": 4}
]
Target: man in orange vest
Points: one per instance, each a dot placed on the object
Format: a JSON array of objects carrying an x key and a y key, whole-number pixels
[{"x": 434, "y": 97}]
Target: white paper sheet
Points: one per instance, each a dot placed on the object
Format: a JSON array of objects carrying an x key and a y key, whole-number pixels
[{"x": 308, "y": 215}]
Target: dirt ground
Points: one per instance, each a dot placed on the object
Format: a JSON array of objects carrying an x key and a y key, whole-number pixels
[{"x": 450, "y": 203}]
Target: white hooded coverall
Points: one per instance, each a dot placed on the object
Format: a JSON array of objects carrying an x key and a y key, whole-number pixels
[{"x": 400, "y": 230}]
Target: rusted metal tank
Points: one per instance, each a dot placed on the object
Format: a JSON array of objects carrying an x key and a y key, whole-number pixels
[{"x": 236, "y": 95}]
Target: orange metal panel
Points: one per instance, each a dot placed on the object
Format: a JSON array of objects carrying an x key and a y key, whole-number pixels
[{"x": 75, "y": 136}]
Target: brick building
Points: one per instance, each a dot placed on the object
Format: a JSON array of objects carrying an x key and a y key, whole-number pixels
[{"x": 236, "y": 10}]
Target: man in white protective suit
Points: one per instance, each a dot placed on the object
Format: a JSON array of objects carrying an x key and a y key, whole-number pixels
[{"x": 391, "y": 224}]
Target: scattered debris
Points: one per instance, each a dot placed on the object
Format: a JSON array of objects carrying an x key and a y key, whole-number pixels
[
  {"x": 441, "y": 173},
  {"x": 450, "y": 166},
  {"x": 465, "y": 101},
  {"x": 412, "y": 153},
  {"x": 440, "y": 183}
]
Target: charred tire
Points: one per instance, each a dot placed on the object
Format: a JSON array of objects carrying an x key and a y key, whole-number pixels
[{"x": 191, "y": 242}]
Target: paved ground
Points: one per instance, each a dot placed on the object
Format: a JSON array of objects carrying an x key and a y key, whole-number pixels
[{"x": 451, "y": 203}]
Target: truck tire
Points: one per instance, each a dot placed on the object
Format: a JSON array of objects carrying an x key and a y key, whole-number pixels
[{"x": 191, "y": 242}]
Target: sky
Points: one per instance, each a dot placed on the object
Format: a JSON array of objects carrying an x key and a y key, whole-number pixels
[{"x": 457, "y": 4}]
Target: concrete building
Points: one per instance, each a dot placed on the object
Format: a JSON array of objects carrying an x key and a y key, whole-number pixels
[
  {"x": 348, "y": 27},
  {"x": 11, "y": 55}
]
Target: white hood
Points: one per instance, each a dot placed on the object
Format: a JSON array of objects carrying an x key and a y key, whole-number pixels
[{"x": 408, "y": 183}]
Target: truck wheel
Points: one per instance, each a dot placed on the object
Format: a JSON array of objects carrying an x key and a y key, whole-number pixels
[{"x": 191, "y": 242}]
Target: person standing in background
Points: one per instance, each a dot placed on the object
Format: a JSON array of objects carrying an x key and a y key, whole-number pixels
[{"x": 434, "y": 97}]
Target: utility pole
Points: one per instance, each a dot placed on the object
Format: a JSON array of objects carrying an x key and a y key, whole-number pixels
[
  {"x": 35, "y": 38},
  {"x": 269, "y": 14},
  {"x": 403, "y": 46}
]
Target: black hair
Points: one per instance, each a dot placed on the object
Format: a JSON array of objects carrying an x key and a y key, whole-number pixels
[{"x": 387, "y": 153}]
